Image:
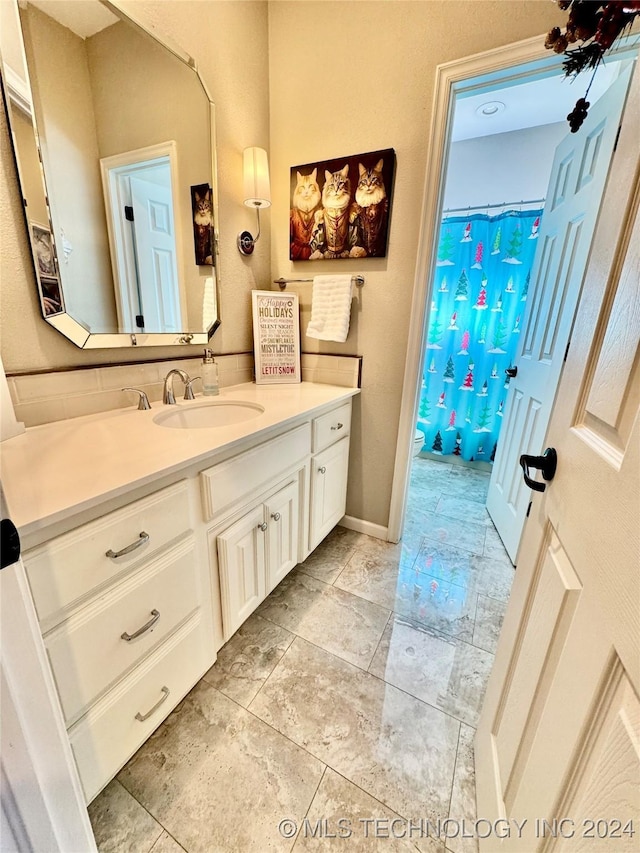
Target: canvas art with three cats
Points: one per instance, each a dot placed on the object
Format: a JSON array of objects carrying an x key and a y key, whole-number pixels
[{"x": 340, "y": 208}]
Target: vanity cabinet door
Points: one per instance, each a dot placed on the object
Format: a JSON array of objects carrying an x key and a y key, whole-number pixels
[
  {"x": 328, "y": 490},
  {"x": 281, "y": 514},
  {"x": 241, "y": 559}
]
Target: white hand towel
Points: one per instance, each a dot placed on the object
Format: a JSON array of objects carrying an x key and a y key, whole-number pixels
[{"x": 330, "y": 308}]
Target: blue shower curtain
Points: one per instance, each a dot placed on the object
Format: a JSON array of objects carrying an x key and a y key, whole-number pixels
[{"x": 477, "y": 313}]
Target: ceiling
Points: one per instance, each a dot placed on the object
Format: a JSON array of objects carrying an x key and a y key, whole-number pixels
[
  {"x": 83, "y": 17},
  {"x": 528, "y": 104}
]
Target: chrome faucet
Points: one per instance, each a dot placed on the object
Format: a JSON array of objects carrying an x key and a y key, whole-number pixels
[{"x": 168, "y": 395}]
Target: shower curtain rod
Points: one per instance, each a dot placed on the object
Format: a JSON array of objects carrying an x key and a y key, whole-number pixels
[{"x": 492, "y": 206}]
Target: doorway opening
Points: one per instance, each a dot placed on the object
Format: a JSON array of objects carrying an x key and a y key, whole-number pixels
[{"x": 500, "y": 290}]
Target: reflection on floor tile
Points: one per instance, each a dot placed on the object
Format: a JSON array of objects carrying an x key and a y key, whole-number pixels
[
  {"x": 395, "y": 747},
  {"x": 375, "y": 577},
  {"x": 246, "y": 661},
  {"x": 219, "y": 779},
  {"x": 445, "y": 672},
  {"x": 470, "y": 489},
  {"x": 342, "y": 623},
  {"x": 494, "y": 548},
  {"x": 488, "y": 622},
  {"x": 494, "y": 577},
  {"x": 456, "y": 532},
  {"x": 423, "y": 616},
  {"x": 463, "y": 796},
  {"x": 422, "y": 499},
  {"x": 357, "y": 820},
  {"x": 455, "y": 507},
  {"x": 446, "y": 563},
  {"x": 431, "y": 601},
  {"x": 120, "y": 823}
]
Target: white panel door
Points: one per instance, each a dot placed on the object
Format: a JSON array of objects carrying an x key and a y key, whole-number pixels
[
  {"x": 281, "y": 514},
  {"x": 558, "y": 739},
  {"x": 41, "y": 801},
  {"x": 156, "y": 254},
  {"x": 580, "y": 168},
  {"x": 241, "y": 554}
]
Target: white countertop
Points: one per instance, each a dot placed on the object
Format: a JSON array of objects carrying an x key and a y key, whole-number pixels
[{"x": 53, "y": 471}]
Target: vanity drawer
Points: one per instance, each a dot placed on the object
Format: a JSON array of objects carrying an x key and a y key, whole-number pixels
[
  {"x": 88, "y": 652},
  {"x": 69, "y": 568},
  {"x": 332, "y": 426},
  {"x": 229, "y": 482},
  {"x": 106, "y": 737}
]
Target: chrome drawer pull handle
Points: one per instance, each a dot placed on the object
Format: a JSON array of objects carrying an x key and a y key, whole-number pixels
[
  {"x": 155, "y": 615},
  {"x": 143, "y": 717},
  {"x": 323, "y": 470},
  {"x": 263, "y": 526},
  {"x": 144, "y": 537},
  {"x": 338, "y": 427},
  {"x": 275, "y": 516}
]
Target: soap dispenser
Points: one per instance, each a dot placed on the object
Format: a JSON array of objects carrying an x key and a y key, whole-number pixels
[{"x": 210, "y": 385}]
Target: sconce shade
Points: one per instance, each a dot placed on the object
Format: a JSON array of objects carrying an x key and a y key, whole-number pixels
[{"x": 257, "y": 192}]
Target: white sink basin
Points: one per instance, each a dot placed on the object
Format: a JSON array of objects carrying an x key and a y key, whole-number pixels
[{"x": 213, "y": 413}]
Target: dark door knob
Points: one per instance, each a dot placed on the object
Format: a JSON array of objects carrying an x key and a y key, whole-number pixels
[
  {"x": 9, "y": 543},
  {"x": 511, "y": 371},
  {"x": 547, "y": 464}
]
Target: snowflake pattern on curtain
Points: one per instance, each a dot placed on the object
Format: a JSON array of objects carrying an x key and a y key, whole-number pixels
[{"x": 482, "y": 277}]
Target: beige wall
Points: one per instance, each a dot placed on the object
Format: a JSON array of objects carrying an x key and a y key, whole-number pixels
[
  {"x": 339, "y": 78},
  {"x": 163, "y": 100},
  {"x": 509, "y": 167},
  {"x": 229, "y": 42},
  {"x": 60, "y": 79},
  {"x": 351, "y": 77}
]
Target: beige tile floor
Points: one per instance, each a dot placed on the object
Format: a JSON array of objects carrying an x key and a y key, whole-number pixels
[{"x": 345, "y": 705}]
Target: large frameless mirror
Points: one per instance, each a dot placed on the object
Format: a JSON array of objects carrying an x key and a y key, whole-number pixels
[{"x": 114, "y": 141}]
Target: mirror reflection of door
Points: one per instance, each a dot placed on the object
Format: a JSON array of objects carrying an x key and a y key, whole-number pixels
[{"x": 139, "y": 189}]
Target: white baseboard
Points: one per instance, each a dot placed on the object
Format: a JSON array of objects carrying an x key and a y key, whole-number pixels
[{"x": 361, "y": 526}]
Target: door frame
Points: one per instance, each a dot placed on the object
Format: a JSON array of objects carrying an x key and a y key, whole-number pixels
[{"x": 522, "y": 61}]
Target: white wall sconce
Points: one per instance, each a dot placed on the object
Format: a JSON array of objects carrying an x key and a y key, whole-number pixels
[{"x": 257, "y": 192}]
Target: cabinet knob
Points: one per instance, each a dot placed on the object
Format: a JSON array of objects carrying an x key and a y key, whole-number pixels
[
  {"x": 262, "y": 526},
  {"x": 322, "y": 470},
  {"x": 339, "y": 426},
  {"x": 275, "y": 516}
]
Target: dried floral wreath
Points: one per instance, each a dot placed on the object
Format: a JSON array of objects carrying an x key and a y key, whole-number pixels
[{"x": 597, "y": 26}]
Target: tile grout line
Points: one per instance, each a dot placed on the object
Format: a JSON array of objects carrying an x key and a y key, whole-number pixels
[
  {"x": 377, "y": 799},
  {"x": 453, "y": 777},
  {"x": 327, "y": 765},
  {"x": 315, "y": 794},
  {"x": 379, "y": 641},
  {"x": 357, "y": 666},
  {"x": 142, "y": 806},
  {"x": 173, "y": 839},
  {"x": 293, "y": 637},
  {"x": 366, "y": 671},
  {"x": 351, "y": 556},
  {"x": 442, "y": 634}
]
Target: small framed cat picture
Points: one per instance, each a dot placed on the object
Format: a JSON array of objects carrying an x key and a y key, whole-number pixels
[
  {"x": 202, "y": 208},
  {"x": 341, "y": 208},
  {"x": 43, "y": 249}
]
